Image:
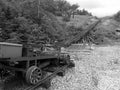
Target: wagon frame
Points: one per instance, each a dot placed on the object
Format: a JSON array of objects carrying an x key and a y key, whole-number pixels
[{"x": 32, "y": 67}]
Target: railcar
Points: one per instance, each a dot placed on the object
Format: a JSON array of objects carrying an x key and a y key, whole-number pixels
[{"x": 30, "y": 62}]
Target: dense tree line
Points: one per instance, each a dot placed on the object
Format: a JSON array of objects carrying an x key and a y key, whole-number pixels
[
  {"x": 28, "y": 20},
  {"x": 33, "y": 21},
  {"x": 83, "y": 12}
]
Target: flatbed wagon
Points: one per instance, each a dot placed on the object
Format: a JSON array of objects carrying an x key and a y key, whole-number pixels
[{"x": 17, "y": 58}]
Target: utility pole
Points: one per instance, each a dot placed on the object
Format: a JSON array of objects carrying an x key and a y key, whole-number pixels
[{"x": 38, "y": 8}]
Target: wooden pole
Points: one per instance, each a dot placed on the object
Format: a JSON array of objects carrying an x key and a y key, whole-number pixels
[{"x": 38, "y": 7}]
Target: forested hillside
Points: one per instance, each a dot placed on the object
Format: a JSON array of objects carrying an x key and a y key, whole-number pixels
[
  {"x": 34, "y": 21},
  {"x": 26, "y": 20}
]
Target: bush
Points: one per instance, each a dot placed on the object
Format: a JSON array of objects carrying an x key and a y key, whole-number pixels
[
  {"x": 117, "y": 16},
  {"x": 66, "y": 18}
]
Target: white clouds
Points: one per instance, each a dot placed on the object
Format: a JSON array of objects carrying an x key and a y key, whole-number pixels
[
  {"x": 89, "y": 4},
  {"x": 100, "y": 12},
  {"x": 99, "y": 7}
]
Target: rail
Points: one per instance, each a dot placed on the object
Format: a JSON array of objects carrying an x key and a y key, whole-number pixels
[{"x": 47, "y": 78}]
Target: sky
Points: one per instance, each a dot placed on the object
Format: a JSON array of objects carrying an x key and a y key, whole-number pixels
[{"x": 99, "y": 8}]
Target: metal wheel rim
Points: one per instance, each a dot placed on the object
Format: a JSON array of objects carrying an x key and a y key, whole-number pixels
[{"x": 33, "y": 75}]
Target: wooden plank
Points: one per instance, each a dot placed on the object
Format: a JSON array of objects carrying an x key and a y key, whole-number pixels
[{"x": 31, "y": 58}]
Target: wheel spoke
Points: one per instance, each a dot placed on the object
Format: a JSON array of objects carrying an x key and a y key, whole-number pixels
[
  {"x": 37, "y": 80},
  {"x": 34, "y": 75},
  {"x": 34, "y": 81}
]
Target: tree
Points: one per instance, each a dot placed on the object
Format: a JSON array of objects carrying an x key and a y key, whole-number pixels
[
  {"x": 83, "y": 12},
  {"x": 62, "y": 7},
  {"x": 117, "y": 16},
  {"x": 48, "y": 5},
  {"x": 28, "y": 20},
  {"x": 74, "y": 7}
]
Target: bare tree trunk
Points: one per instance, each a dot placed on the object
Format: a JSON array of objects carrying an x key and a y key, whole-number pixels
[{"x": 73, "y": 15}]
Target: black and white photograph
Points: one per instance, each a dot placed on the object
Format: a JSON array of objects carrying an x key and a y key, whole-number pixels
[{"x": 59, "y": 45}]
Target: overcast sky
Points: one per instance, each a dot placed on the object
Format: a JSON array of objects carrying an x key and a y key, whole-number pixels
[{"x": 99, "y": 8}]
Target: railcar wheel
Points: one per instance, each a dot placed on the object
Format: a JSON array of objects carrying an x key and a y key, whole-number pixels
[{"x": 33, "y": 75}]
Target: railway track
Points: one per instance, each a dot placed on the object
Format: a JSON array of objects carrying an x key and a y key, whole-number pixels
[{"x": 61, "y": 69}]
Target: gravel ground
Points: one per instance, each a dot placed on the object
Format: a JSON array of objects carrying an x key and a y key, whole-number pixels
[{"x": 93, "y": 70}]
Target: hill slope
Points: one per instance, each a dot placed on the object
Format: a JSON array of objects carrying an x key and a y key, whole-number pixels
[{"x": 106, "y": 32}]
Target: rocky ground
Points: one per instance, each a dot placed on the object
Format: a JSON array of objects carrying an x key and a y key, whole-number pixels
[{"x": 95, "y": 69}]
